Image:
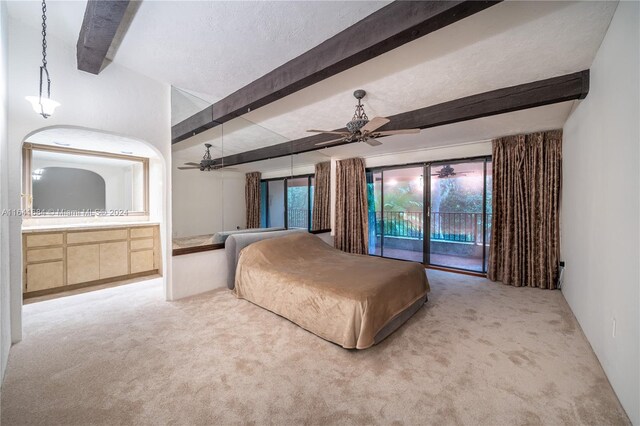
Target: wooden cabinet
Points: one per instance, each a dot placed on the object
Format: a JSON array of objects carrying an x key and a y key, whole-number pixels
[{"x": 65, "y": 259}]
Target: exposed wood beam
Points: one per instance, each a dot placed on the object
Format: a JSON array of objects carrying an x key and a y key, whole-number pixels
[
  {"x": 99, "y": 27},
  {"x": 523, "y": 96},
  {"x": 388, "y": 28}
]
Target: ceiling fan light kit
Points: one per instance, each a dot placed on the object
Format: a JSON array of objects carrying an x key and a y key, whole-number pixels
[{"x": 361, "y": 129}]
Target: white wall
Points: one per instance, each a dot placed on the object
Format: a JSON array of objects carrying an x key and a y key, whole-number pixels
[
  {"x": 207, "y": 202},
  {"x": 601, "y": 208},
  {"x": 5, "y": 320},
  {"x": 116, "y": 101},
  {"x": 199, "y": 272}
]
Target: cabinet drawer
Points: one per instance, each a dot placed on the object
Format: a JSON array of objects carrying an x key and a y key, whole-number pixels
[
  {"x": 38, "y": 255},
  {"x": 141, "y": 232},
  {"x": 96, "y": 236},
  {"x": 42, "y": 276},
  {"x": 147, "y": 243},
  {"x": 83, "y": 263},
  {"x": 38, "y": 240},
  {"x": 141, "y": 261}
]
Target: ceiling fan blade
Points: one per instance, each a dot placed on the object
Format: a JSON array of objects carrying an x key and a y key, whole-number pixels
[
  {"x": 373, "y": 142},
  {"x": 374, "y": 123},
  {"x": 329, "y": 142},
  {"x": 331, "y": 132},
  {"x": 226, "y": 169},
  {"x": 398, "y": 132},
  {"x": 192, "y": 164},
  {"x": 188, "y": 168}
]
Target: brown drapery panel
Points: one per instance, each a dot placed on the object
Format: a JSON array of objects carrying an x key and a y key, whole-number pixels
[
  {"x": 252, "y": 199},
  {"x": 351, "y": 224},
  {"x": 321, "y": 215},
  {"x": 525, "y": 227}
]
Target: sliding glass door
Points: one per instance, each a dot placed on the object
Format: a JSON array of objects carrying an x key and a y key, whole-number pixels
[
  {"x": 449, "y": 199},
  {"x": 457, "y": 199},
  {"x": 396, "y": 213},
  {"x": 402, "y": 213}
]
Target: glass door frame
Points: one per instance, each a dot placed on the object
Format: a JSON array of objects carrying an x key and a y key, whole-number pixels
[{"x": 426, "y": 216}]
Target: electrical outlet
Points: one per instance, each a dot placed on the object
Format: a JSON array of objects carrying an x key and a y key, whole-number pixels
[{"x": 613, "y": 331}]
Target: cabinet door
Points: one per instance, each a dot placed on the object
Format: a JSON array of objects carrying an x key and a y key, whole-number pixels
[
  {"x": 114, "y": 259},
  {"x": 141, "y": 261},
  {"x": 83, "y": 263},
  {"x": 41, "y": 276}
]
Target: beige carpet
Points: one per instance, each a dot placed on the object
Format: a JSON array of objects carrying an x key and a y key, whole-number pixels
[{"x": 478, "y": 353}]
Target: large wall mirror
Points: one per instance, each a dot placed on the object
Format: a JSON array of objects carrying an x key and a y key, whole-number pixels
[
  {"x": 209, "y": 202},
  {"x": 70, "y": 182}
]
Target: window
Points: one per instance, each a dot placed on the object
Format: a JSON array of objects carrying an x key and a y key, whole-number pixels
[
  {"x": 451, "y": 200},
  {"x": 67, "y": 182},
  {"x": 286, "y": 202}
]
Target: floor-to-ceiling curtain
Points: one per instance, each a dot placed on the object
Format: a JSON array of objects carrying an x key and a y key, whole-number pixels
[
  {"x": 351, "y": 222},
  {"x": 321, "y": 214},
  {"x": 525, "y": 240},
  {"x": 252, "y": 199}
]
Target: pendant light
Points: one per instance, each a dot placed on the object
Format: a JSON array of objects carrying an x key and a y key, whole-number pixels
[{"x": 41, "y": 105}]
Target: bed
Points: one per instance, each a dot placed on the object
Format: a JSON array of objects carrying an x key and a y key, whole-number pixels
[{"x": 352, "y": 300}]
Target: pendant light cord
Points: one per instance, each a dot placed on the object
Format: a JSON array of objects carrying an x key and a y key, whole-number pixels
[
  {"x": 44, "y": 33},
  {"x": 43, "y": 68}
]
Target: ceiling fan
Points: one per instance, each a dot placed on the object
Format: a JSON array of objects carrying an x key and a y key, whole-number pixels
[
  {"x": 447, "y": 172},
  {"x": 361, "y": 129},
  {"x": 206, "y": 164}
]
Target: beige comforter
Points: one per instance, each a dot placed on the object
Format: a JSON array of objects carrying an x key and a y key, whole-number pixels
[{"x": 344, "y": 298}]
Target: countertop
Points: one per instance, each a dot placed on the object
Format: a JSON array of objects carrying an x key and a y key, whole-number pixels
[{"x": 84, "y": 226}]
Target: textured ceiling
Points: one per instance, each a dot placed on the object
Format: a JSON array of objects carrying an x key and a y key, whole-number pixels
[
  {"x": 217, "y": 47},
  {"x": 213, "y": 48},
  {"x": 209, "y": 47},
  {"x": 508, "y": 44}
]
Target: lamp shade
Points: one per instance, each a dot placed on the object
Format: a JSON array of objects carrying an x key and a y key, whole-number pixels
[{"x": 48, "y": 105}]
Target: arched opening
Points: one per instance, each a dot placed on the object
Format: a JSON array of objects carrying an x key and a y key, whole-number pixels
[{"x": 101, "y": 199}]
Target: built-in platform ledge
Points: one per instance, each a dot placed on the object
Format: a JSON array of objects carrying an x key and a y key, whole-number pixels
[{"x": 200, "y": 243}]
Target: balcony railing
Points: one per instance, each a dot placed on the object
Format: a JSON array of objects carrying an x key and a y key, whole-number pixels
[
  {"x": 298, "y": 218},
  {"x": 445, "y": 226}
]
